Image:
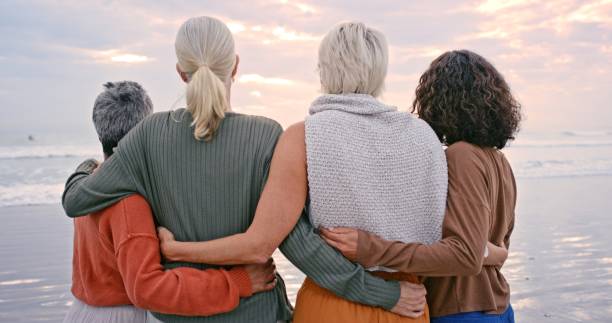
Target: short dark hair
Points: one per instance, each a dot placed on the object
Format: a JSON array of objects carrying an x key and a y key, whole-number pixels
[
  {"x": 464, "y": 98},
  {"x": 120, "y": 107}
]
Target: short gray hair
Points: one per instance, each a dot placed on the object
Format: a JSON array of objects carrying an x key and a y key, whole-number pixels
[
  {"x": 353, "y": 58},
  {"x": 120, "y": 107}
]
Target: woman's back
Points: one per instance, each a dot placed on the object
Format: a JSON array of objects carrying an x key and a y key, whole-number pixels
[
  {"x": 201, "y": 190},
  {"x": 374, "y": 168},
  {"x": 487, "y": 168},
  {"x": 216, "y": 184}
]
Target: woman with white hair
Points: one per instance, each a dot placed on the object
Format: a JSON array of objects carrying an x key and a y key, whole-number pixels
[
  {"x": 202, "y": 169},
  {"x": 361, "y": 163}
]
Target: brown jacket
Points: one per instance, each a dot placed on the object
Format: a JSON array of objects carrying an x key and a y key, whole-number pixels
[{"x": 480, "y": 208}]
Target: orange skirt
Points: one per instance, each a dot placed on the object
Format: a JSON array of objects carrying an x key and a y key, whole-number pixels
[{"x": 317, "y": 305}]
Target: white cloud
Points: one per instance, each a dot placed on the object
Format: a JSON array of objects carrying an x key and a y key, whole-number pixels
[
  {"x": 283, "y": 34},
  {"x": 108, "y": 56},
  {"x": 236, "y": 27},
  {"x": 116, "y": 56},
  {"x": 129, "y": 58},
  {"x": 494, "y": 6},
  {"x": 537, "y": 45},
  {"x": 596, "y": 12},
  {"x": 258, "y": 79},
  {"x": 302, "y": 7}
]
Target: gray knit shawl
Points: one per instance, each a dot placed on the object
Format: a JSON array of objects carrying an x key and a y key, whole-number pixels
[{"x": 374, "y": 168}]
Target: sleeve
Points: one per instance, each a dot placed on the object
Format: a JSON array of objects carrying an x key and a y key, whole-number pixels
[
  {"x": 88, "y": 191},
  {"x": 465, "y": 229},
  {"x": 180, "y": 291},
  {"x": 330, "y": 270}
]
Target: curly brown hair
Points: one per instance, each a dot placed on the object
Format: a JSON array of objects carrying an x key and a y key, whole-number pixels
[{"x": 464, "y": 98}]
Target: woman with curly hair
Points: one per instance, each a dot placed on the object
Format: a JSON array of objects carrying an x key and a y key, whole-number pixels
[{"x": 470, "y": 107}]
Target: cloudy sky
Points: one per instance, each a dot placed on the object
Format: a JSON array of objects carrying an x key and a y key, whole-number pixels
[{"x": 55, "y": 55}]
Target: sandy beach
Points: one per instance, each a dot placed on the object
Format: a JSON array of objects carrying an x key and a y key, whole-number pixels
[{"x": 560, "y": 265}]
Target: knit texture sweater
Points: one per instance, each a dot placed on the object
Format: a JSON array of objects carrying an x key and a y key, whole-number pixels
[
  {"x": 207, "y": 190},
  {"x": 376, "y": 169}
]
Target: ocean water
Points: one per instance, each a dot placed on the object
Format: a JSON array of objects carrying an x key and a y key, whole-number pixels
[
  {"x": 559, "y": 268},
  {"x": 34, "y": 171}
]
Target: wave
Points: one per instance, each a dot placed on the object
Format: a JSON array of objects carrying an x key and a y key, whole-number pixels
[
  {"x": 558, "y": 140},
  {"x": 51, "y": 151},
  {"x": 40, "y": 182},
  {"x": 558, "y": 143},
  {"x": 599, "y": 133},
  {"x": 30, "y": 194},
  {"x": 562, "y": 168},
  {"x": 34, "y": 194}
]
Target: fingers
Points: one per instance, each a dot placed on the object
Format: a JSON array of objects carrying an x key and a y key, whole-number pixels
[
  {"x": 408, "y": 311},
  {"x": 413, "y": 289},
  {"x": 270, "y": 274},
  {"x": 412, "y": 299},
  {"x": 415, "y": 315},
  {"x": 270, "y": 285},
  {"x": 332, "y": 235},
  {"x": 269, "y": 270},
  {"x": 344, "y": 231}
]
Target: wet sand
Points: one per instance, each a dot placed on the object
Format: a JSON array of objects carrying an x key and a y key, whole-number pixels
[{"x": 560, "y": 265}]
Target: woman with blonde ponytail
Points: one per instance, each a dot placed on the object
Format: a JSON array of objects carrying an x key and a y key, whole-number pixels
[
  {"x": 207, "y": 62},
  {"x": 202, "y": 169}
]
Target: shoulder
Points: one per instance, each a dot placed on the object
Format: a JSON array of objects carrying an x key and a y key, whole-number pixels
[
  {"x": 290, "y": 152},
  {"x": 295, "y": 131},
  {"x": 265, "y": 129},
  {"x": 422, "y": 127},
  {"x": 157, "y": 117},
  {"x": 136, "y": 202},
  {"x": 144, "y": 129},
  {"x": 329, "y": 117},
  {"x": 258, "y": 121},
  {"x": 293, "y": 141},
  {"x": 465, "y": 157},
  {"x": 132, "y": 214},
  {"x": 132, "y": 203},
  {"x": 462, "y": 149}
]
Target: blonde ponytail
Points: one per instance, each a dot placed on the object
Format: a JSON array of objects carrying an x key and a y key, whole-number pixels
[
  {"x": 205, "y": 51},
  {"x": 207, "y": 102}
]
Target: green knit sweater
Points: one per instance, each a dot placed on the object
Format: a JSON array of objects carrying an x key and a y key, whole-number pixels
[{"x": 207, "y": 190}]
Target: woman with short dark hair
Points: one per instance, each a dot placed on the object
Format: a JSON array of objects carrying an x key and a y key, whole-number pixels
[{"x": 471, "y": 108}]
